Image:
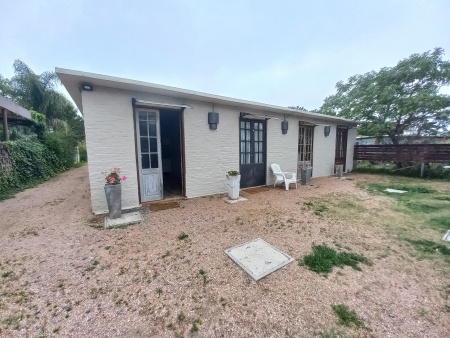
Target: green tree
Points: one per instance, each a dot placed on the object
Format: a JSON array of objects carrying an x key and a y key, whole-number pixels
[
  {"x": 39, "y": 94},
  {"x": 397, "y": 101}
]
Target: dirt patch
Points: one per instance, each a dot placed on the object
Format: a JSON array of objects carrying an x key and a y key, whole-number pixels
[
  {"x": 61, "y": 275},
  {"x": 163, "y": 205},
  {"x": 255, "y": 190}
]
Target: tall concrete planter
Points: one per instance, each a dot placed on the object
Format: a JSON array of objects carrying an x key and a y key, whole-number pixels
[
  {"x": 233, "y": 186},
  {"x": 113, "y": 194}
]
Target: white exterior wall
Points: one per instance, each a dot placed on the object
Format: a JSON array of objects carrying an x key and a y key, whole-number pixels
[
  {"x": 324, "y": 150},
  {"x": 110, "y": 142},
  {"x": 351, "y": 140},
  {"x": 209, "y": 154},
  {"x": 281, "y": 148}
]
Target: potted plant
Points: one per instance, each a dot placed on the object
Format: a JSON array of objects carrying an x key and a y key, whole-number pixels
[
  {"x": 113, "y": 192},
  {"x": 233, "y": 184}
]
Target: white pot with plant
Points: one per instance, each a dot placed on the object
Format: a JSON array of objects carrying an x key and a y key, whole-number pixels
[
  {"x": 113, "y": 192},
  {"x": 233, "y": 184}
]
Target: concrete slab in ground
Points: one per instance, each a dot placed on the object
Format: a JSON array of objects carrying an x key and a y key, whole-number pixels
[
  {"x": 395, "y": 191},
  {"x": 447, "y": 236},
  {"x": 258, "y": 258},
  {"x": 240, "y": 199},
  {"x": 126, "y": 219}
]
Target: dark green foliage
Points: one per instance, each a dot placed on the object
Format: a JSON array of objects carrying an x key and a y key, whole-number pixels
[
  {"x": 34, "y": 162},
  {"x": 433, "y": 171},
  {"x": 323, "y": 259},
  {"x": 64, "y": 147},
  {"x": 346, "y": 316},
  {"x": 83, "y": 153},
  {"x": 404, "y": 99},
  {"x": 429, "y": 246}
]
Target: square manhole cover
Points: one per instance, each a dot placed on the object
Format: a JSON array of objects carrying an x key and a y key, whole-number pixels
[{"x": 258, "y": 258}]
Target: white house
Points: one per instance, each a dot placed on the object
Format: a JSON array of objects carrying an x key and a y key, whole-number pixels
[{"x": 177, "y": 142}]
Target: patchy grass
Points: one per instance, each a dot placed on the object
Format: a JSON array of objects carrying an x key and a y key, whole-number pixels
[
  {"x": 323, "y": 259},
  {"x": 346, "y": 316},
  {"x": 423, "y": 205},
  {"x": 430, "y": 247},
  {"x": 440, "y": 223}
]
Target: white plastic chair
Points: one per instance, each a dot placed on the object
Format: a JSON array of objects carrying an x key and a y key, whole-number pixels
[{"x": 283, "y": 177}]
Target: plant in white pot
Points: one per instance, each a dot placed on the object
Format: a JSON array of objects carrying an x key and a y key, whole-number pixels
[
  {"x": 113, "y": 192},
  {"x": 233, "y": 184}
]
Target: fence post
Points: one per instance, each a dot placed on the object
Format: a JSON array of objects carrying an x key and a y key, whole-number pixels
[{"x": 422, "y": 169}]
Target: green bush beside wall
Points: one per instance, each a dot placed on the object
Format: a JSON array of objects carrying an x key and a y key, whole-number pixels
[{"x": 34, "y": 161}]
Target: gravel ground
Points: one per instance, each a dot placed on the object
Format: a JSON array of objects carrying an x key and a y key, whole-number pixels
[{"x": 61, "y": 276}]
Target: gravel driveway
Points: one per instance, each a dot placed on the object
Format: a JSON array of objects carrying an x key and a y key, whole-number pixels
[{"x": 61, "y": 276}]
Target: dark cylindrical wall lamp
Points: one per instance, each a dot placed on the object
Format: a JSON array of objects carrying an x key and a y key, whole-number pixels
[
  {"x": 213, "y": 120},
  {"x": 327, "y": 130},
  {"x": 284, "y": 126}
]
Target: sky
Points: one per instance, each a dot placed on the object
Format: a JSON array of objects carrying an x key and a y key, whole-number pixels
[{"x": 285, "y": 52}]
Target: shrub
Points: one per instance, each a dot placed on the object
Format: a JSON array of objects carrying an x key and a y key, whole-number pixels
[{"x": 35, "y": 160}]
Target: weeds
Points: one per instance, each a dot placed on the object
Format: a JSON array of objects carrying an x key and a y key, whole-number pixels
[
  {"x": 346, "y": 316},
  {"x": 194, "y": 327},
  {"x": 203, "y": 274},
  {"x": 159, "y": 291},
  {"x": 7, "y": 274},
  {"x": 319, "y": 208},
  {"x": 323, "y": 259},
  {"x": 181, "y": 317},
  {"x": 13, "y": 321},
  {"x": 183, "y": 236}
]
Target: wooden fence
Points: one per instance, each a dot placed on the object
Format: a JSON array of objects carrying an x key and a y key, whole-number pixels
[{"x": 428, "y": 153}]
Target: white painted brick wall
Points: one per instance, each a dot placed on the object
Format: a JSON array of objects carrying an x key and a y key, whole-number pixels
[
  {"x": 110, "y": 141},
  {"x": 324, "y": 150},
  {"x": 209, "y": 154},
  {"x": 281, "y": 148},
  {"x": 351, "y": 148},
  {"x": 108, "y": 117}
]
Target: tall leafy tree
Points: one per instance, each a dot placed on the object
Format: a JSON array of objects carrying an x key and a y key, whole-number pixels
[
  {"x": 397, "y": 101},
  {"x": 38, "y": 92}
]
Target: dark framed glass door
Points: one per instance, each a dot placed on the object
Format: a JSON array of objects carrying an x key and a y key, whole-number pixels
[
  {"x": 341, "y": 146},
  {"x": 252, "y": 152}
]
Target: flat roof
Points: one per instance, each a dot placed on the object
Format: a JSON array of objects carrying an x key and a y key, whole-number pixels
[
  {"x": 20, "y": 113},
  {"x": 73, "y": 79}
]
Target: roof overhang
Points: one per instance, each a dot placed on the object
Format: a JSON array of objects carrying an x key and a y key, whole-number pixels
[
  {"x": 73, "y": 80},
  {"x": 19, "y": 113}
]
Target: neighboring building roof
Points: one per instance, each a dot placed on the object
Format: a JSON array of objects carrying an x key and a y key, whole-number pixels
[
  {"x": 20, "y": 113},
  {"x": 73, "y": 79}
]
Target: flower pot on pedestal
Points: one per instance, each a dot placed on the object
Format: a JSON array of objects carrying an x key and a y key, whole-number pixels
[
  {"x": 233, "y": 186},
  {"x": 114, "y": 199}
]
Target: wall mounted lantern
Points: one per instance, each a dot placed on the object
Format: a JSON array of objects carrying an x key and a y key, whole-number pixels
[
  {"x": 284, "y": 126},
  {"x": 213, "y": 120},
  {"x": 87, "y": 86},
  {"x": 326, "y": 130}
]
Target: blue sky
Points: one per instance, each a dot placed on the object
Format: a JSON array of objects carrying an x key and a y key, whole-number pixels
[{"x": 278, "y": 52}]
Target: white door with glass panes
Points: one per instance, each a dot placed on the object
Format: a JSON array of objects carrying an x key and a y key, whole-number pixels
[{"x": 149, "y": 154}]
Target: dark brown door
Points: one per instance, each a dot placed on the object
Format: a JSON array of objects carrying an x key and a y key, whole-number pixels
[
  {"x": 341, "y": 146},
  {"x": 252, "y": 152}
]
